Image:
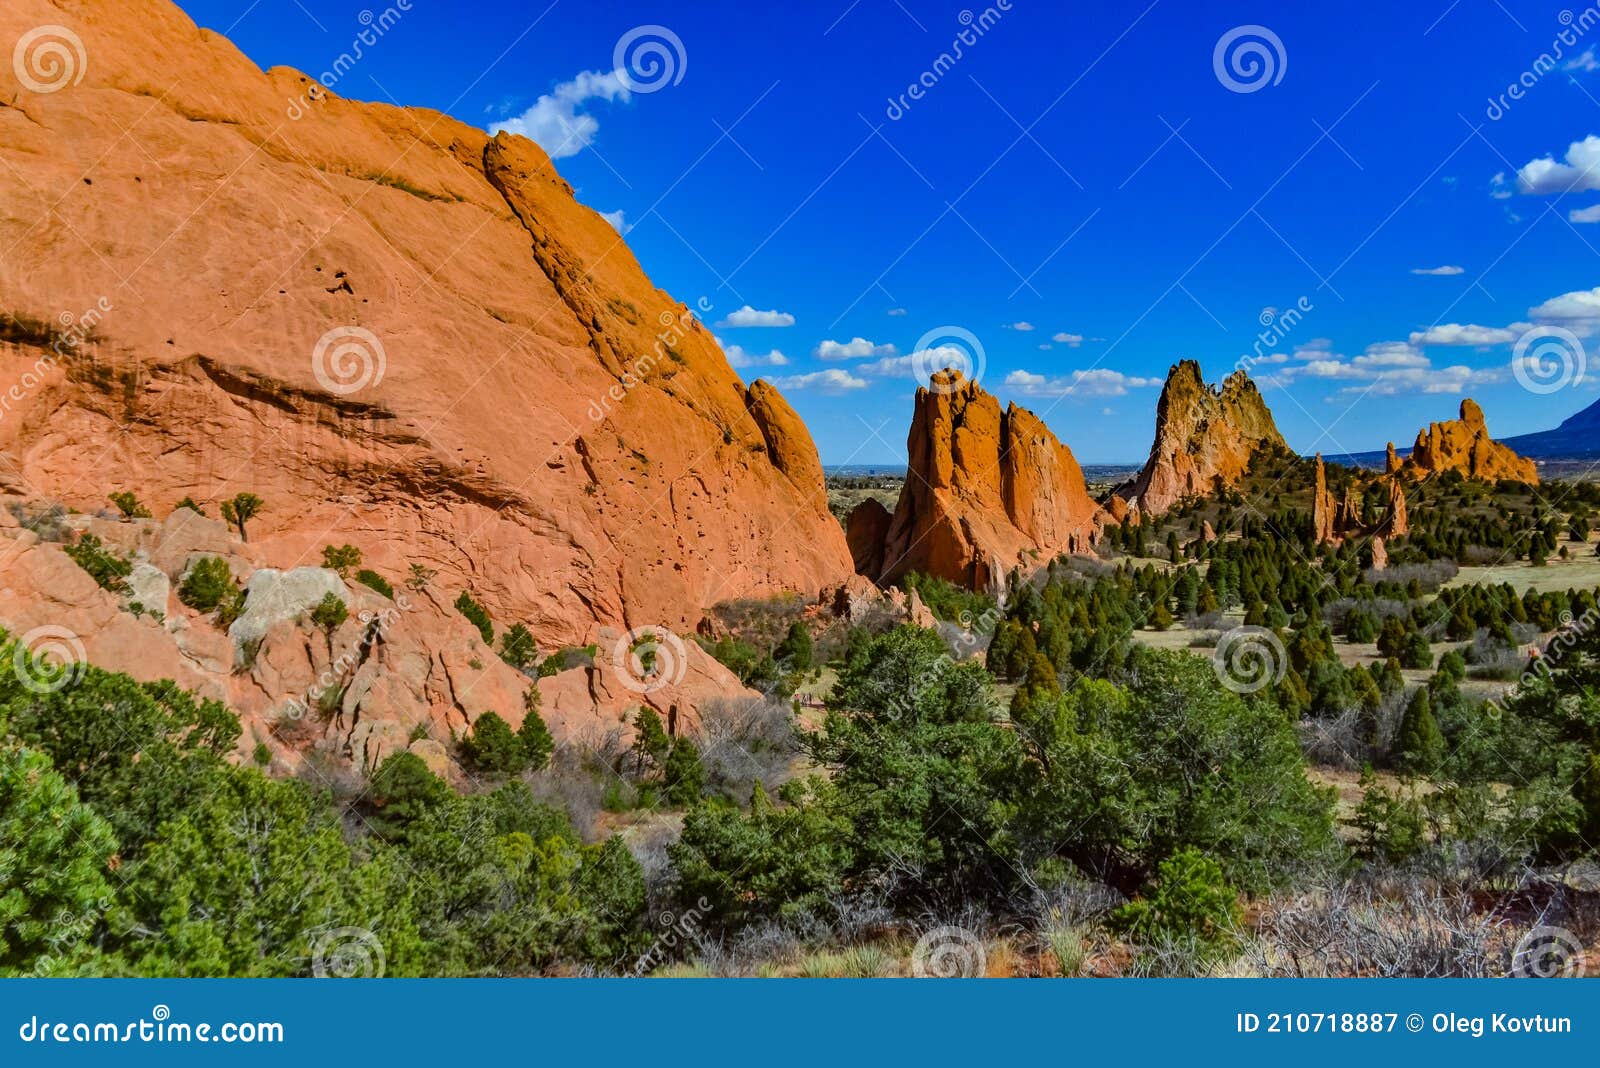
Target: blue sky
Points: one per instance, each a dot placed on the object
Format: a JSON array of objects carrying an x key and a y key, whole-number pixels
[{"x": 1080, "y": 194}]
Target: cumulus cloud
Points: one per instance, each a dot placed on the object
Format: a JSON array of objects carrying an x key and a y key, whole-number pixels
[
  {"x": 738, "y": 356},
  {"x": 748, "y": 316},
  {"x": 897, "y": 312},
  {"x": 1464, "y": 334},
  {"x": 857, "y": 348},
  {"x": 1098, "y": 382},
  {"x": 1585, "y": 215},
  {"x": 618, "y": 223},
  {"x": 833, "y": 380},
  {"x": 1580, "y": 171},
  {"x": 1065, "y": 338},
  {"x": 1444, "y": 271},
  {"x": 1578, "y": 311},
  {"x": 1586, "y": 62},
  {"x": 557, "y": 122},
  {"x": 1455, "y": 379},
  {"x": 1389, "y": 354},
  {"x": 1024, "y": 326}
]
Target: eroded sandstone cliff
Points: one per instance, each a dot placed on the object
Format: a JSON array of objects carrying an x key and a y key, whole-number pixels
[
  {"x": 986, "y": 490},
  {"x": 1463, "y": 445},
  {"x": 1203, "y": 436},
  {"x": 397, "y": 331}
]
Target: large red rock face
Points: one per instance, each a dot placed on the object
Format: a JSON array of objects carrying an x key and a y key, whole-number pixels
[
  {"x": 1464, "y": 445},
  {"x": 986, "y": 490},
  {"x": 1202, "y": 435},
  {"x": 513, "y": 403}
]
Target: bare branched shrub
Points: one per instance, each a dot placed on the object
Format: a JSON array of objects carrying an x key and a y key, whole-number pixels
[
  {"x": 747, "y": 740},
  {"x": 1407, "y": 927},
  {"x": 1430, "y": 576},
  {"x": 1336, "y": 741}
]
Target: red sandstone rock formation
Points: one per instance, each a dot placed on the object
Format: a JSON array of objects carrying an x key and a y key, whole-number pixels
[
  {"x": 1202, "y": 435},
  {"x": 1336, "y": 520},
  {"x": 985, "y": 490},
  {"x": 1464, "y": 445},
  {"x": 512, "y": 402},
  {"x": 866, "y": 531}
]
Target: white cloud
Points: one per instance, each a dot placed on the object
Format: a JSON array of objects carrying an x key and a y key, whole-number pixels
[
  {"x": 858, "y": 348},
  {"x": 1586, "y": 62},
  {"x": 1585, "y": 215},
  {"x": 1464, "y": 334},
  {"x": 1045, "y": 346},
  {"x": 556, "y": 123},
  {"x": 1441, "y": 271},
  {"x": 1455, "y": 379},
  {"x": 1578, "y": 311},
  {"x": 748, "y": 316},
  {"x": 1499, "y": 188},
  {"x": 1580, "y": 172},
  {"x": 618, "y": 223},
  {"x": 739, "y": 357},
  {"x": 1099, "y": 382},
  {"x": 897, "y": 312},
  {"x": 1024, "y": 326},
  {"x": 1065, "y": 338},
  {"x": 1327, "y": 368},
  {"x": 833, "y": 380},
  {"x": 1389, "y": 354}
]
